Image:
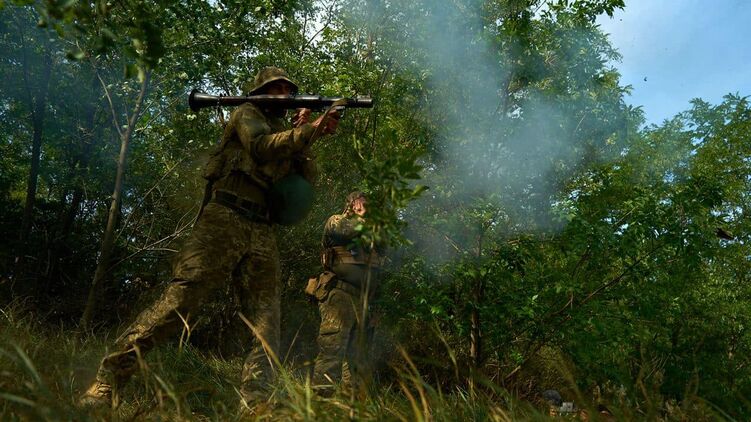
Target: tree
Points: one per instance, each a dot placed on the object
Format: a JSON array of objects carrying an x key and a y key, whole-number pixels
[{"x": 30, "y": 59}]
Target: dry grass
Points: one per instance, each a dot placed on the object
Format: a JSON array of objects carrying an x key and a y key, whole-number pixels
[{"x": 43, "y": 370}]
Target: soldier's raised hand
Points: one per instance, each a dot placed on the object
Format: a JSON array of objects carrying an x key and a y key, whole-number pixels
[
  {"x": 302, "y": 116},
  {"x": 330, "y": 123}
]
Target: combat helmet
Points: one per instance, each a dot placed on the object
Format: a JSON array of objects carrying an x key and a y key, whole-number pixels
[{"x": 266, "y": 76}]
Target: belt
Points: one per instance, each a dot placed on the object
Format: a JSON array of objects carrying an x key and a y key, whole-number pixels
[
  {"x": 343, "y": 255},
  {"x": 251, "y": 210},
  {"x": 347, "y": 287}
]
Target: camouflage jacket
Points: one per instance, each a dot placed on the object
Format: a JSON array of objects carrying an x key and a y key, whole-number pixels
[
  {"x": 256, "y": 151},
  {"x": 340, "y": 230},
  {"x": 339, "y": 235}
]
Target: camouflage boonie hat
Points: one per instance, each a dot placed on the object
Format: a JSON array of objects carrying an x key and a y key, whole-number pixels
[{"x": 266, "y": 76}]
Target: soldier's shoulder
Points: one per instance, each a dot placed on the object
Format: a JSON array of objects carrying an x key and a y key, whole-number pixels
[
  {"x": 253, "y": 107},
  {"x": 249, "y": 110},
  {"x": 250, "y": 117}
]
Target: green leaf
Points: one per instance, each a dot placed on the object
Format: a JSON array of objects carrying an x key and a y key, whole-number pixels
[
  {"x": 75, "y": 55},
  {"x": 131, "y": 70}
]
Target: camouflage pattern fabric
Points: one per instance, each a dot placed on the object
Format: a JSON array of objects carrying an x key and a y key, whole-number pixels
[
  {"x": 339, "y": 359},
  {"x": 223, "y": 247},
  {"x": 265, "y": 76},
  {"x": 342, "y": 342},
  {"x": 256, "y": 150},
  {"x": 339, "y": 230}
]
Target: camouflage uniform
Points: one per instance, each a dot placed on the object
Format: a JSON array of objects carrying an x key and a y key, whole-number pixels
[
  {"x": 342, "y": 352},
  {"x": 233, "y": 241}
]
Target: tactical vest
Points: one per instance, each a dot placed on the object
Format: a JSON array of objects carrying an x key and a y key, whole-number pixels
[
  {"x": 278, "y": 186},
  {"x": 341, "y": 255}
]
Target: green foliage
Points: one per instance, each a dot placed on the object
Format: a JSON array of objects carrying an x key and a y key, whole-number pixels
[
  {"x": 504, "y": 169},
  {"x": 132, "y": 27}
]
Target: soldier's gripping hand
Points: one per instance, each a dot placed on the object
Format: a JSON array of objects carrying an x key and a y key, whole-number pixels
[
  {"x": 302, "y": 116},
  {"x": 330, "y": 122}
]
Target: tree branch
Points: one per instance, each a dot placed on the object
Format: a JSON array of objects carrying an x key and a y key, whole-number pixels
[
  {"x": 325, "y": 26},
  {"x": 179, "y": 229},
  {"x": 146, "y": 195},
  {"x": 109, "y": 100}
]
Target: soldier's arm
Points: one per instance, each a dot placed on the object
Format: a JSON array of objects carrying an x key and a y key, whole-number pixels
[
  {"x": 343, "y": 229},
  {"x": 255, "y": 135},
  {"x": 327, "y": 255},
  {"x": 328, "y": 231}
]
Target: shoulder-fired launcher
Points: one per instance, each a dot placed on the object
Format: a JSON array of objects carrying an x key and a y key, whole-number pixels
[{"x": 198, "y": 100}]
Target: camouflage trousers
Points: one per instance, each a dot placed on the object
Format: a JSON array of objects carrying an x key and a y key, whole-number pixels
[
  {"x": 223, "y": 248},
  {"x": 342, "y": 342}
]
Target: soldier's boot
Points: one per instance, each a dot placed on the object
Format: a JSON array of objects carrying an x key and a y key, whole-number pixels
[
  {"x": 327, "y": 372},
  {"x": 323, "y": 385},
  {"x": 99, "y": 394},
  {"x": 254, "y": 403},
  {"x": 113, "y": 373},
  {"x": 103, "y": 392},
  {"x": 255, "y": 389}
]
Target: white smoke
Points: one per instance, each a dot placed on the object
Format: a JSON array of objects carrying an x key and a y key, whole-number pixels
[{"x": 514, "y": 150}]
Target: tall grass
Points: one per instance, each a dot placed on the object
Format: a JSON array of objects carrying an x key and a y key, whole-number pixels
[{"x": 44, "y": 369}]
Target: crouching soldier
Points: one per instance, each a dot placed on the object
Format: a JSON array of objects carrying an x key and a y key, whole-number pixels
[{"x": 343, "y": 291}]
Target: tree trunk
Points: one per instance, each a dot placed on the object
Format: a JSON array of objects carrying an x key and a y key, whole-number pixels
[
  {"x": 475, "y": 347},
  {"x": 108, "y": 240},
  {"x": 91, "y": 132},
  {"x": 475, "y": 333},
  {"x": 37, "y": 102}
]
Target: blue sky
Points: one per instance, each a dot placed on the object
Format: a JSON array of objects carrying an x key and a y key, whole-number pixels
[{"x": 685, "y": 49}]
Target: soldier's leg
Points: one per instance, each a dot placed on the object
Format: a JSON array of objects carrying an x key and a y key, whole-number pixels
[
  {"x": 205, "y": 263},
  {"x": 338, "y": 320},
  {"x": 260, "y": 291},
  {"x": 358, "y": 360}
]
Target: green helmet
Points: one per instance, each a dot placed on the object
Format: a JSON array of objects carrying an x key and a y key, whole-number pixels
[{"x": 266, "y": 76}]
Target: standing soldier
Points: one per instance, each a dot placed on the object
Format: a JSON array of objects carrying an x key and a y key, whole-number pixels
[
  {"x": 349, "y": 273},
  {"x": 232, "y": 241}
]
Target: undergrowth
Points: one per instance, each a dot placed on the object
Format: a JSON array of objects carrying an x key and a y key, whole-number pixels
[{"x": 43, "y": 371}]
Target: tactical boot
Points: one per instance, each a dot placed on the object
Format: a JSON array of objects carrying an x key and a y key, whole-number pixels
[
  {"x": 99, "y": 394},
  {"x": 105, "y": 389},
  {"x": 254, "y": 404},
  {"x": 255, "y": 412}
]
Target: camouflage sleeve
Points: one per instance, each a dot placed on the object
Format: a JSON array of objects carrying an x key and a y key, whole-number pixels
[
  {"x": 347, "y": 229},
  {"x": 340, "y": 230},
  {"x": 328, "y": 230},
  {"x": 255, "y": 135}
]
